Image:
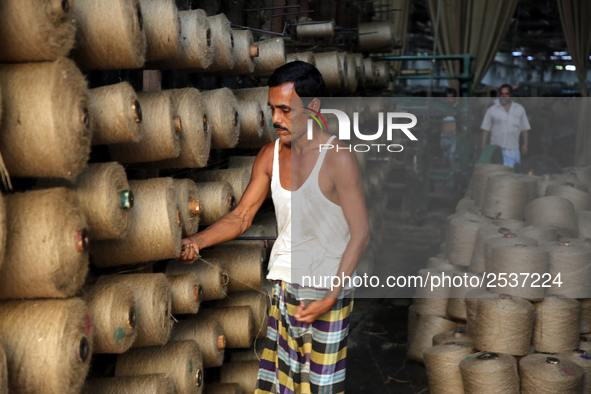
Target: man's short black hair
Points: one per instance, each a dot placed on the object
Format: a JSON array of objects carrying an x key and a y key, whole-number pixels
[
  {"x": 451, "y": 91},
  {"x": 308, "y": 81},
  {"x": 507, "y": 86}
]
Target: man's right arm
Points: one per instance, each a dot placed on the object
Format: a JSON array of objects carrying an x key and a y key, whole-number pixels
[{"x": 486, "y": 126}]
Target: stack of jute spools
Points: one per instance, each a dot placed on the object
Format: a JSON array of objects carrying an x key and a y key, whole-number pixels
[{"x": 513, "y": 315}]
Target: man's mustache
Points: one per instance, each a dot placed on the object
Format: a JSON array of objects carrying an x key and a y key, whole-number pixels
[{"x": 278, "y": 127}]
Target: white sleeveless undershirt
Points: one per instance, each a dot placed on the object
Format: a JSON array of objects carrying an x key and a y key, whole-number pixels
[{"x": 319, "y": 228}]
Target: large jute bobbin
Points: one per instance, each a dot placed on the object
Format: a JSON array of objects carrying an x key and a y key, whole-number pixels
[
  {"x": 459, "y": 335},
  {"x": 494, "y": 373},
  {"x": 461, "y": 237},
  {"x": 244, "y": 52},
  {"x": 583, "y": 360},
  {"x": 505, "y": 197},
  {"x": 237, "y": 322},
  {"x": 382, "y": 76},
  {"x": 442, "y": 363},
  {"x": 472, "y": 298},
  {"x": 432, "y": 301},
  {"x": 215, "y": 200},
  {"x": 426, "y": 327},
  {"x": 212, "y": 277},
  {"x": 45, "y": 120},
  {"x": 271, "y": 56},
  {"x": 223, "y": 388},
  {"x": 556, "y": 325},
  {"x": 479, "y": 182},
  {"x": 585, "y": 342},
  {"x": 330, "y": 67},
  {"x": 504, "y": 325},
  {"x": 224, "y": 116},
  {"x": 243, "y": 265},
  {"x": 369, "y": 75},
  {"x": 154, "y": 230},
  {"x": 144, "y": 384},
  {"x": 244, "y": 373},
  {"x": 315, "y": 30},
  {"x": 152, "y": 306},
  {"x": 572, "y": 261},
  {"x": 377, "y": 37},
  {"x": 209, "y": 336},
  {"x": 112, "y": 308},
  {"x": 306, "y": 57},
  {"x": 33, "y": 31},
  {"x": 48, "y": 345},
  {"x": 584, "y": 224},
  {"x": 186, "y": 293},
  {"x": 179, "y": 360},
  {"x": 57, "y": 266},
  {"x": 583, "y": 174},
  {"x": 252, "y": 120},
  {"x": 477, "y": 259},
  {"x": 260, "y": 94},
  {"x": 350, "y": 74},
  {"x": 186, "y": 195},
  {"x": 555, "y": 212},
  {"x": 580, "y": 199},
  {"x": 506, "y": 239},
  {"x": 572, "y": 181},
  {"x": 483, "y": 167},
  {"x": 116, "y": 114},
  {"x": 159, "y": 131},
  {"x": 531, "y": 185},
  {"x": 222, "y": 40},
  {"x": 258, "y": 302},
  {"x": 539, "y": 233},
  {"x": 464, "y": 204},
  {"x": 242, "y": 162},
  {"x": 110, "y": 34},
  {"x": 456, "y": 305},
  {"x": 162, "y": 26},
  {"x": 546, "y": 374},
  {"x": 238, "y": 178},
  {"x": 585, "y": 315}
]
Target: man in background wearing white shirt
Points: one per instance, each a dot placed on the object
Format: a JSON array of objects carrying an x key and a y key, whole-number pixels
[{"x": 505, "y": 121}]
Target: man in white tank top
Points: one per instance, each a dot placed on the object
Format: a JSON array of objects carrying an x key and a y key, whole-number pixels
[{"x": 306, "y": 341}]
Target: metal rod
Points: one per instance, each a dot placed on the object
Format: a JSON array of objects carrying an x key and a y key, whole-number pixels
[
  {"x": 369, "y": 32},
  {"x": 291, "y": 13},
  {"x": 271, "y": 8},
  {"x": 257, "y": 30}
]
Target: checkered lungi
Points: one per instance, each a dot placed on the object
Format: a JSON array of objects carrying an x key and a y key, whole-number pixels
[{"x": 301, "y": 358}]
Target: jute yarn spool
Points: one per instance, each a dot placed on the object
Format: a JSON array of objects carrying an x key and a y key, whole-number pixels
[
  {"x": 494, "y": 373},
  {"x": 244, "y": 373},
  {"x": 242, "y": 162},
  {"x": 584, "y": 224},
  {"x": 505, "y": 197},
  {"x": 383, "y": 76},
  {"x": 222, "y": 41},
  {"x": 222, "y": 109},
  {"x": 583, "y": 360},
  {"x": 472, "y": 298},
  {"x": 464, "y": 204},
  {"x": 57, "y": 228},
  {"x": 585, "y": 342},
  {"x": 252, "y": 120},
  {"x": 350, "y": 74},
  {"x": 154, "y": 231},
  {"x": 110, "y": 34},
  {"x": 36, "y": 32},
  {"x": 545, "y": 374},
  {"x": 223, "y": 388},
  {"x": 573, "y": 263},
  {"x": 258, "y": 302},
  {"x": 260, "y": 94},
  {"x": 458, "y": 335},
  {"x": 209, "y": 337},
  {"x": 580, "y": 199},
  {"x": 237, "y": 322},
  {"x": 215, "y": 200},
  {"x": 555, "y": 212},
  {"x": 212, "y": 277},
  {"x": 479, "y": 182},
  {"x": 504, "y": 325},
  {"x": 513, "y": 262},
  {"x": 427, "y": 327},
  {"x": 116, "y": 114},
  {"x": 461, "y": 237},
  {"x": 162, "y": 26},
  {"x": 369, "y": 75},
  {"x": 315, "y": 30},
  {"x": 413, "y": 321},
  {"x": 442, "y": 363},
  {"x": 186, "y": 292},
  {"x": 330, "y": 67},
  {"x": 152, "y": 306},
  {"x": 144, "y": 384},
  {"x": 506, "y": 239},
  {"x": 159, "y": 135},
  {"x": 557, "y": 325},
  {"x": 48, "y": 345},
  {"x": 483, "y": 167},
  {"x": 244, "y": 52},
  {"x": 377, "y": 37},
  {"x": 243, "y": 265},
  {"x": 307, "y": 57},
  {"x": 582, "y": 173},
  {"x": 238, "y": 178},
  {"x": 271, "y": 55},
  {"x": 456, "y": 305},
  {"x": 180, "y": 361},
  {"x": 571, "y": 181},
  {"x": 513, "y": 224},
  {"x": 358, "y": 57},
  {"x": 477, "y": 259},
  {"x": 543, "y": 184},
  {"x": 188, "y": 202},
  {"x": 539, "y": 233},
  {"x": 54, "y": 139},
  {"x": 111, "y": 307},
  {"x": 432, "y": 302},
  {"x": 585, "y": 316}
]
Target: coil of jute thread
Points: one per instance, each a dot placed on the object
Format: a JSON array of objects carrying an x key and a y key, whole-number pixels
[
  {"x": 461, "y": 237},
  {"x": 243, "y": 265},
  {"x": 583, "y": 174},
  {"x": 360, "y": 66},
  {"x": 188, "y": 202},
  {"x": 583, "y": 360},
  {"x": 162, "y": 26},
  {"x": 179, "y": 360},
  {"x": 459, "y": 335},
  {"x": 53, "y": 140},
  {"x": 36, "y": 32},
  {"x": 571, "y": 181},
  {"x": 584, "y": 224},
  {"x": 307, "y": 57},
  {"x": 209, "y": 337},
  {"x": 215, "y": 200},
  {"x": 222, "y": 109},
  {"x": 514, "y": 262},
  {"x": 585, "y": 342},
  {"x": 456, "y": 305},
  {"x": 572, "y": 262},
  {"x": 144, "y": 384},
  {"x": 160, "y": 137},
  {"x": 244, "y": 373},
  {"x": 237, "y": 322},
  {"x": 244, "y": 53},
  {"x": 369, "y": 75},
  {"x": 506, "y": 239},
  {"x": 60, "y": 224},
  {"x": 472, "y": 298},
  {"x": 238, "y": 178},
  {"x": 494, "y": 373},
  {"x": 112, "y": 308},
  {"x": 553, "y": 211},
  {"x": 152, "y": 306},
  {"x": 271, "y": 56},
  {"x": 261, "y": 94},
  {"x": 116, "y": 114},
  {"x": 242, "y": 162},
  {"x": 549, "y": 374},
  {"x": 252, "y": 120},
  {"x": 223, "y": 388},
  {"x": 259, "y": 303},
  {"x": 556, "y": 325},
  {"x": 110, "y": 35},
  {"x": 479, "y": 181},
  {"x": 585, "y": 315},
  {"x": 154, "y": 230},
  {"x": 222, "y": 41},
  {"x": 464, "y": 204},
  {"x": 350, "y": 74},
  {"x": 330, "y": 67},
  {"x": 580, "y": 199},
  {"x": 513, "y": 224},
  {"x": 186, "y": 292},
  {"x": 383, "y": 76},
  {"x": 212, "y": 277},
  {"x": 505, "y": 197},
  {"x": 377, "y": 36},
  {"x": 432, "y": 302},
  {"x": 52, "y": 354},
  {"x": 315, "y": 30},
  {"x": 543, "y": 184},
  {"x": 539, "y": 233},
  {"x": 442, "y": 363},
  {"x": 422, "y": 338},
  {"x": 477, "y": 259},
  {"x": 504, "y": 324},
  {"x": 531, "y": 185}
]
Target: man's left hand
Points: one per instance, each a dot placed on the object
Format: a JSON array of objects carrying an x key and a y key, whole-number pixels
[
  {"x": 314, "y": 310},
  {"x": 524, "y": 150}
]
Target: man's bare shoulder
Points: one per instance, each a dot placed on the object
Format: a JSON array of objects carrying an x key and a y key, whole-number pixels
[
  {"x": 264, "y": 158},
  {"x": 342, "y": 158}
]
